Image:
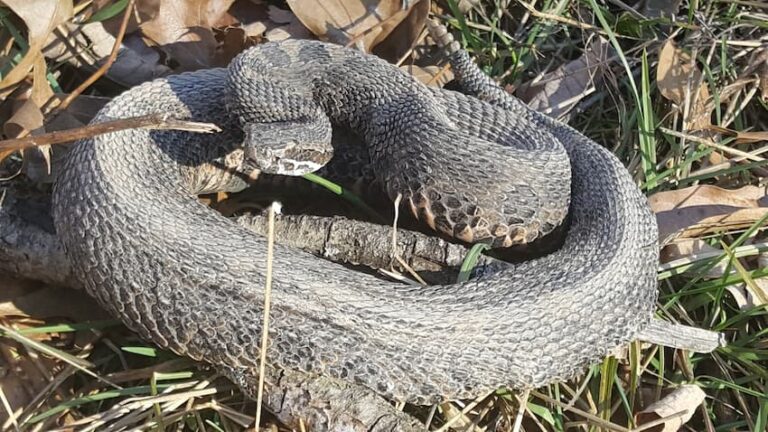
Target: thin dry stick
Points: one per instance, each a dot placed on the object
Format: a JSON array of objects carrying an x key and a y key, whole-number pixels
[
  {"x": 430, "y": 416},
  {"x": 523, "y": 401},
  {"x": 104, "y": 67},
  {"x": 7, "y": 406},
  {"x": 439, "y": 74},
  {"x": 395, "y": 253},
  {"x": 732, "y": 114},
  {"x": 408, "y": 53},
  {"x": 464, "y": 412},
  {"x": 274, "y": 208},
  {"x": 153, "y": 121},
  {"x": 80, "y": 364},
  {"x": 659, "y": 421},
  {"x": 723, "y": 148},
  {"x": 557, "y": 18},
  {"x": 401, "y": 14},
  {"x": 396, "y": 205},
  {"x": 588, "y": 416}
]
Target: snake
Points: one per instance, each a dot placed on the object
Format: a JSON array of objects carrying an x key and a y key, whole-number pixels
[{"x": 478, "y": 165}]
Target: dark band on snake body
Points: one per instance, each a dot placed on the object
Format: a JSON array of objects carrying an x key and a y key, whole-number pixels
[
  {"x": 469, "y": 175},
  {"x": 191, "y": 281}
]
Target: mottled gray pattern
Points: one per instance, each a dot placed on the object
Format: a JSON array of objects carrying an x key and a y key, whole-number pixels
[
  {"x": 466, "y": 169},
  {"x": 191, "y": 281}
]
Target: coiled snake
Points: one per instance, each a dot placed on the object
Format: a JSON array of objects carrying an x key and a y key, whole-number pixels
[{"x": 482, "y": 167}]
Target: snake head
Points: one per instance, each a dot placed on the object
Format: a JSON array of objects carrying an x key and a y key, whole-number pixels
[{"x": 285, "y": 148}]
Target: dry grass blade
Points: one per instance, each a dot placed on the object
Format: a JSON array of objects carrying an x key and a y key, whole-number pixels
[
  {"x": 41, "y": 17},
  {"x": 710, "y": 143},
  {"x": 591, "y": 418},
  {"x": 560, "y": 19},
  {"x": 12, "y": 416},
  {"x": 464, "y": 412},
  {"x": 273, "y": 209},
  {"x": 104, "y": 67},
  {"x": 523, "y": 401},
  {"x": 680, "y": 81},
  {"x": 80, "y": 364}
]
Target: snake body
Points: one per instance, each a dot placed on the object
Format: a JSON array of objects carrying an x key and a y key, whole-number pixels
[{"x": 191, "y": 281}]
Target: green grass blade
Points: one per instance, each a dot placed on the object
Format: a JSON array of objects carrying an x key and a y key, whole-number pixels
[
  {"x": 345, "y": 194},
  {"x": 109, "y": 11},
  {"x": 470, "y": 261}
]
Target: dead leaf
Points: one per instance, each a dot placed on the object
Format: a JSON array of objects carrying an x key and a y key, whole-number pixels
[
  {"x": 37, "y": 163},
  {"x": 20, "y": 298},
  {"x": 89, "y": 46},
  {"x": 556, "y": 93},
  {"x": 745, "y": 137},
  {"x": 289, "y": 26},
  {"x": 405, "y": 35},
  {"x": 698, "y": 210},
  {"x": 727, "y": 92},
  {"x": 280, "y": 16},
  {"x": 745, "y": 297},
  {"x": 41, "y": 91},
  {"x": 26, "y": 119},
  {"x": 686, "y": 248},
  {"x": 40, "y": 17},
  {"x": 467, "y": 5},
  {"x": 183, "y": 28},
  {"x": 25, "y": 372},
  {"x": 430, "y": 75},
  {"x": 24, "y": 375},
  {"x": 363, "y": 22},
  {"x": 758, "y": 65},
  {"x": 674, "y": 74},
  {"x": 233, "y": 41},
  {"x": 258, "y": 20},
  {"x": 677, "y": 407}
]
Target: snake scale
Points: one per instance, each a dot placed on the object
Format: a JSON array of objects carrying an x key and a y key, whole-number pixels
[{"x": 191, "y": 281}]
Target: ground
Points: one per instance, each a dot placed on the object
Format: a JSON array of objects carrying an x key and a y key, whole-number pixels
[{"x": 678, "y": 90}]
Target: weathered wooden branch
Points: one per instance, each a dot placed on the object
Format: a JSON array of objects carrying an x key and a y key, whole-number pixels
[
  {"x": 354, "y": 242},
  {"x": 153, "y": 121},
  {"x": 28, "y": 244}
]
